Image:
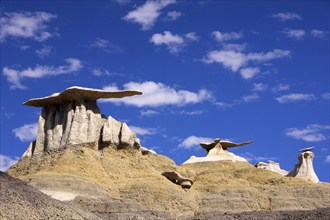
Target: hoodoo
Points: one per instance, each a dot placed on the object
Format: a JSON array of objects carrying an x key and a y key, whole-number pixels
[
  {"x": 218, "y": 151},
  {"x": 304, "y": 168},
  {"x": 72, "y": 117}
]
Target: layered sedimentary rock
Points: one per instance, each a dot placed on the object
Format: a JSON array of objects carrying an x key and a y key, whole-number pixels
[
  {"x": 218, "y": 151},
  {"x": 72, "y": 117},
  {"x": 272, "y": 166},
  {"x": 304, "y": 168}
]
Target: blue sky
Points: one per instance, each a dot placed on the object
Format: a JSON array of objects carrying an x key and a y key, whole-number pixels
[{"x": 237, "y": 70}]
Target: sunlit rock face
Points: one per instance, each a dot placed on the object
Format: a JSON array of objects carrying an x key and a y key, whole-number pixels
[
  {"x": 72, "y": 117},
  {"x": 272, "y": 166},
  {"x": 304, "y": 168},
  {"x": 218, "y": 151}
]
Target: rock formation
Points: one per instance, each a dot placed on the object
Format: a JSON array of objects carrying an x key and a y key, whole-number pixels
[
  {"x": 72, "y": 117},
  {"x": 272, "y": 166},
  {"x": 304, "y": 168},
  {"x": 178, "y": 179},
  {"x": 218, "y": 151}
]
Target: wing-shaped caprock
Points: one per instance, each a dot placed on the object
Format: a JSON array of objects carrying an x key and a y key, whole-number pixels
[{"x": 226, "y": 144}]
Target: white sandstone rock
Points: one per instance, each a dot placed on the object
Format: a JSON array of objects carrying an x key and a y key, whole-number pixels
[
  {"x": 72, "y": 117},
  {"x": 272, "y": 166},
  {"x": 218, "y": 151},
  {"x": 304, "y": 169}
]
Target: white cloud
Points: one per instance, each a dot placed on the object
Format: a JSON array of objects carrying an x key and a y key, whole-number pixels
[
  {"x": 148, "y": 112},
  {"x": 234, "y": 60},
  {"x": 327, "y": 159},
  {"x": 250, "y": 98},
  {"x": 173, "y": 42},
  {"x": 229, "y": 59},
  {"x": 45, "y": 51},
  {"x": 251, "y": 157},
  {"x": 222, "y": 37},
  {"x": 158, "y": 94},
  {"x": 287, "y": 16},
  {"x": 105, "y": 45},
  {"x": 295, "y": 34},
  {"x": 25, "y": 25},
  {"x": 258, "y": 87},
  {"x": 249, "y": 73},
  {"x": 174, "y": 15},
  {"x": 14, "y": 77},
  {"x": 326, "y": 96},
  {"x": 147, "y": 14},
  {"x": 191, "y": 36},
  {"x": 143, "y": 131},
  {"x": 319, "y": 34},
  {"x": 123, "y": 2},
  {"x": 99, "y": 71},
  {"x": 27, "y": 132},
  {"x": 193, "y": 141},
  {"x": 295, "y": 97},
  {"x": 311, "y": 133},
  {"x": 234, "y": 47},
  {"x": 281, "y": 87},
  {"x": 6, "y": 162}
]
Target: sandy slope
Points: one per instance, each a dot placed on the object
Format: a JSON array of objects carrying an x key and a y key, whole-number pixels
[{"x": 123, "y": 184}]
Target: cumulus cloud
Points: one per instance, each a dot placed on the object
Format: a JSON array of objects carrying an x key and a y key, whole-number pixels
[
  {"x": 146, "y": 15},
  {"x": 319, "y": 34},
  {"x": 287, "y": 16},
  {"x": 281, "y": 87},
  {"x": 234, "y": 60},
  {"x": 105, "y": 45},
  {"x": 326, "y": 95},
  {"x": 250, "y": 98},
  {"x": 45, "y": 51},
  {"x": 295, "y": 34},
  {"x": 253, "y": 158},
  {"x": 311, "y": 133},
  {"x": 14, "y": 77},
  {"x": 148, "y": 112},
  {"x": 173, "y": 42},
  {"x": 259, "y": 87},
  {"x": 143, "y": 131},
  {"x": 25, "y": 25},
  {"x": 249, "y": 73},
  {"x": 327, "y": 159},
  {"x": 123, "y": 2},
  {"x": 222, "y": 37},
  {"x": 158, "y": 94},
  {"x": 27, "y": 132},
  {"x": 295, "y": 97},
  {"x": 193, "y": 141},
  {"x": 6, "y": 162},
  {"x": 173, "y": 15}
]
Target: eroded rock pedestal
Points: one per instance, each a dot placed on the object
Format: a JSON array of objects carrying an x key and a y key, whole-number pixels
[
  {"x": 272, "y": 166},
  {"x": 218, "y": 151},
  {"x": 304, "y": 169},
  {"x": 72, "y": 117}
]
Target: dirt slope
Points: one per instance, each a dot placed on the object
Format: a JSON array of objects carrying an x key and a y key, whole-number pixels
[{"x": 121, "y": 184}]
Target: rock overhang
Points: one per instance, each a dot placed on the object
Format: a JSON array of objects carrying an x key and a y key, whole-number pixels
[{"x": 78, "y": 93}]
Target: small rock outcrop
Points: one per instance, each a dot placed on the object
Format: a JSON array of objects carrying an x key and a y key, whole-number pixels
[
  {"x": 178, "y": 179},
  {"x": 218, "y": 151},
  {"x": 272, "y": 166},
  {"x": 304, "y": 168},
  {"x": 72, "y": 117}
]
